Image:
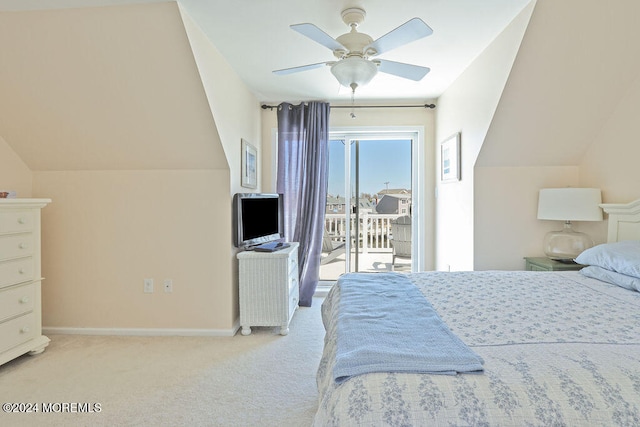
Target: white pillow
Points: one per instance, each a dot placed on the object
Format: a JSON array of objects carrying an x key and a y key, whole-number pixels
[
  {"x": 612, "y": 277},
  {"x": 621, "y": 257}
]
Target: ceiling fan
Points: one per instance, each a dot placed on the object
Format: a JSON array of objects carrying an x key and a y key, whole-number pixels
[{"x": 354, "y": 67}]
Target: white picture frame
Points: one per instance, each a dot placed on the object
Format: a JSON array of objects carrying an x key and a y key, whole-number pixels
[
  {"x": 450, "y": 159},
  {"x": 249, "y": 165}
]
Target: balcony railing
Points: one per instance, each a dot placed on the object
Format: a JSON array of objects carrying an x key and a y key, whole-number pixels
[{"x": 374, "y": 230}]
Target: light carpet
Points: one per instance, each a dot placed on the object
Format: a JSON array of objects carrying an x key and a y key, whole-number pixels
[{"x": 263, "y": 379}]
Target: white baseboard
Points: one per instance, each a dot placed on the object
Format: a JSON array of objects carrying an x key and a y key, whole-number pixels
[{"x": 143, "y": 332}]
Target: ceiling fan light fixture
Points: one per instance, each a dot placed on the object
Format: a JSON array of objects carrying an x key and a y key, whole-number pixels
[{"x": 354, "y": 70}]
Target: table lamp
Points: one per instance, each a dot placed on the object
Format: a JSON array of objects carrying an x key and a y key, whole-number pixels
[{"x": 568, "y": 204}]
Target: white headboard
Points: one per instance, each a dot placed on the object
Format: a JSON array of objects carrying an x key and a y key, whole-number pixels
[{"x": 624, "y": 221}]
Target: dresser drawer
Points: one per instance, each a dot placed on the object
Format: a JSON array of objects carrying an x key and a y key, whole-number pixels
[
  {"x": 16, "y": 331},
  {"x": 16, "y": 245},
  {"x": 293, "y": 263},
  {"x": 16, "y": 300},
  {"x": 15, "y": 221},
  {"x": 16, "y": 271},
  {"x": 294, "y": 298},
  {"x": 293, "y": 282}
]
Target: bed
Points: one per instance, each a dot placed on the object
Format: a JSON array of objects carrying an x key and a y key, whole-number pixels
[{"x": 555, "y": 348}]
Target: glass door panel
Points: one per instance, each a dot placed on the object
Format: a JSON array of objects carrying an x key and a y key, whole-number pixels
[
  {"x": 369, "y": 189},
  {"x": 336, "y": 231}
]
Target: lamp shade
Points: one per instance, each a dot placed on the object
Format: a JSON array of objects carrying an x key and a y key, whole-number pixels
[
  {"x": 570, "y": 204},
  {"x": 354, "y": 70}
]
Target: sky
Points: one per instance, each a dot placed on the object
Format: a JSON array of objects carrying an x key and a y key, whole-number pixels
[{"x": 381, "y": 161}]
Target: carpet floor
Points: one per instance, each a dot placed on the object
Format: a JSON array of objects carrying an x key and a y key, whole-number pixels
[{"x": 263, "y": 379}]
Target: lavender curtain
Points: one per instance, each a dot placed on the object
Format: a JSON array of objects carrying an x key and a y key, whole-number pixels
[{"x": 303, "y": 158}]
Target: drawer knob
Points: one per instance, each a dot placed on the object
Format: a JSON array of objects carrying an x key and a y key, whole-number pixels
[
  {"x": 22, "y": 220},
  {"x": 23, "y": 246},
  {"x": 21, "y": 271},
  {"x": 24, "y": 329},
  {"x": 24, "y": 300}
]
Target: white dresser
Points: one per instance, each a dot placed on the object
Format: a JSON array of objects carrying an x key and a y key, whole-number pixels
[
  {"x": 269, "y": 291},
  {"x": 20, "y": 277}
]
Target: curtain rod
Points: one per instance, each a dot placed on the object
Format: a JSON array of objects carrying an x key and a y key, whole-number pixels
[{"x": 271, "y": 107}]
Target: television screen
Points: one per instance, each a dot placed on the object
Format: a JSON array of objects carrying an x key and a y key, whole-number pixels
[{"x": 257, "y": 218}]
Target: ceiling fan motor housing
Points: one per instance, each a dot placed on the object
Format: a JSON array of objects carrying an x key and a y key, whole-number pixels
[
  {"x": 353, "y": 16},
  {"x": 355, "y": 42}
]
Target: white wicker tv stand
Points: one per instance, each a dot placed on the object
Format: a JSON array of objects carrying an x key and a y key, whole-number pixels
[{"x": 268, "y": 288}]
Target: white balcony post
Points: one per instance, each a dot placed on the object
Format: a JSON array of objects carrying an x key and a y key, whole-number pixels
[{"x": 365, "y": 232}]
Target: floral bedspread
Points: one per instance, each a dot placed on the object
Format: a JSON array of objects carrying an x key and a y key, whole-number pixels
[{"x": 560, "y": 349}]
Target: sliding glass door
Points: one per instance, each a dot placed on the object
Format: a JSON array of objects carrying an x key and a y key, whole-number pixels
[{"x": 370, "y": 203}]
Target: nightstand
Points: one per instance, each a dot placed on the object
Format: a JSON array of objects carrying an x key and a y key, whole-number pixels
[{"x": 546, "y": 264}]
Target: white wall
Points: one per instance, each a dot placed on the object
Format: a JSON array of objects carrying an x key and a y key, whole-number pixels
[
  {"x": 506, "y": 202},
  {"x": 236, "y": 112},
  {"x": 611, "y": 163},
  {"x": 105, "y": 231},
  {"x": 14, "y": 173},
  {"x": 468, "y": 107},
  {"x": 235, "y": 109}
]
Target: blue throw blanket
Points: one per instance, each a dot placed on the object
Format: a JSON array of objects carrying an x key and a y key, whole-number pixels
[{"x": 385, "y": 324}]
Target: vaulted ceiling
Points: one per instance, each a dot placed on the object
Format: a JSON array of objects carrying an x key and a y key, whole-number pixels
[{"x": 577, "y": 62}]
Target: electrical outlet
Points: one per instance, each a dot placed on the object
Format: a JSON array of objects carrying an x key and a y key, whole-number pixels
[
  {"x": 168, "y": 285},
  {"x": 148, "y": 286}
]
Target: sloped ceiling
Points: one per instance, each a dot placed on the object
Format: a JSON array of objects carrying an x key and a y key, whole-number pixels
[
  {"x": 575, "y": 62},
  {"x": 103, "y": 88},
  {"x": 255, "y": 38}
]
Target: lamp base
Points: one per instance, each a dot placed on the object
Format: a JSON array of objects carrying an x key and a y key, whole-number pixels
[{"x": 566, "y": 244}]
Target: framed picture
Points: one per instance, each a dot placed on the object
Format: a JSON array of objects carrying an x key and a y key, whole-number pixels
[
  {"x": 450, "y": 158},
  {"x": 249, "y": 165}
]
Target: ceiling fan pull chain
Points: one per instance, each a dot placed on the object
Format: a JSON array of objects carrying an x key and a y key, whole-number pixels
[{"x": 353, "y": 100}]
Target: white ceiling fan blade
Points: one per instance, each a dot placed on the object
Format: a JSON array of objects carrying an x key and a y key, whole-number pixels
[
  {"x": 285, "y": 71},
  {"x": 318, "y": 36},
  {"x": 411, "y": 30},
  {"x": 400, "y": 69}
]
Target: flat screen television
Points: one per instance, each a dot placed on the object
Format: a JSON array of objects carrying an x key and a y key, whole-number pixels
[{"x": 257, "y": 219}]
